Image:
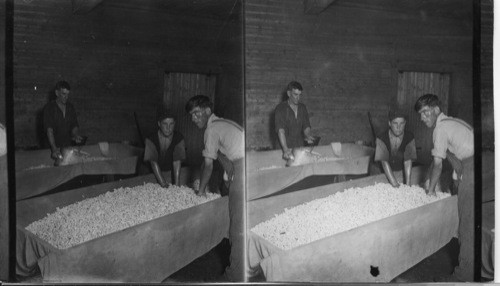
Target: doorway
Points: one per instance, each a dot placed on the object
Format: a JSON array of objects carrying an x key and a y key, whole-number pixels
[
  {"x": 412, "y": 85},
  {"x": 179, "y": 87}
]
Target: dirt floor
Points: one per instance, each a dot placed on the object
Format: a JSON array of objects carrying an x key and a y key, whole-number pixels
[
  {"x": 207, "y": 268},
  {"x": 440, "y": 263},
  {"x": 210, "y": 266}
]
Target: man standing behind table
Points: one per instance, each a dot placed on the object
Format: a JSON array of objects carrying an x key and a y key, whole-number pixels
[
  {"x": 60, "y": 122},
  {"x": 395, "y": 147},
  {"x": 165, "y": 149},
  {"x": 224, "y": 141},
  {"x": 291, "y": 121},
  {"x": 453, "y": 139}
]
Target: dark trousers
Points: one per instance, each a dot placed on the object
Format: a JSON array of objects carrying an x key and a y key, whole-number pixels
[
  {"x": 236, "y": 271},
  {"x": 465, "y": 269}
]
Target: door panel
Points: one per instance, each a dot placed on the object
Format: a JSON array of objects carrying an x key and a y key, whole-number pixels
[
  {"x": 412, "y": 85},
  {"x": 178, "y": 89}
]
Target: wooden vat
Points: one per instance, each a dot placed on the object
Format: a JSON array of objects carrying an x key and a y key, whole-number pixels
[
  {"x": 147, "y": 252},
  {"x": 375, "y": 252}
]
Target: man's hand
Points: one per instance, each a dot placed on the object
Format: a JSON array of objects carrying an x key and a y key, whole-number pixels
[
  {"x": 309, "y": 139},
  {"x": 201, "y": 194},
  {"x": 288, "y": 154},
  {"x": 77, "y": 138},
  {"x": 56, "y": 155},
  {"x": 426, "y": 187}
]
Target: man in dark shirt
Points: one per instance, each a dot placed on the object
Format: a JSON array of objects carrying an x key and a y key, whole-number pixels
[
  {"x": 60, "y": 122},
  {"x": 165, "y": 149},
  {"x": 396, "y": 147},
  {"x": 292, "y": 121}
]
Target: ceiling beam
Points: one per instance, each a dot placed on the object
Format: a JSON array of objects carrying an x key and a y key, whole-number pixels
[
  {"x": 81, "y": 7},
  {"x": 315, "y": 7}
]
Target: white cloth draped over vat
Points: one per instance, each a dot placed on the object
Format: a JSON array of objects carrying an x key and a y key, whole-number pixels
[
  {"x": 36, "y": 174},
  {"x": 267, "y": 174}
]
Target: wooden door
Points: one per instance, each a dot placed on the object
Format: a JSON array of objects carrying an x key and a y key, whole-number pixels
[
  {"x": 412, "y": 85},
  {"x": 178, "y": 89}
]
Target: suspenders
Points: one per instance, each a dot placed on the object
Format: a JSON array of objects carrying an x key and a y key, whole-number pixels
[
  {"x": 459, "y": 121},
  {"x": 230, "y": 122},
  {"x": 454, "y": 161},
  {"x": 227, "y": 164}
]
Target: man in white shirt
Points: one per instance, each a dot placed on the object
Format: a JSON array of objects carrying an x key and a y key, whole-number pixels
[
  {"x": 453, "y": 139},
  {"x": 224, "y": 141}
]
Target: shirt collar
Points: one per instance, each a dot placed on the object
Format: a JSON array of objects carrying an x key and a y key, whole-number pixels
[
  {"x": 394, "y": 137},
  {"x": 212, "y": 118},
  {"x": 441, "y": 117},
  {"x": 161, "y": 136}
]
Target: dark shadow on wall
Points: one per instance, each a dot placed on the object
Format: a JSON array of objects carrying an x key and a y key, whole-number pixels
[
  {"x": 41, "y": 137},
  {"x": 284, "y": 95},
  {"x": 275, "y": 144}
]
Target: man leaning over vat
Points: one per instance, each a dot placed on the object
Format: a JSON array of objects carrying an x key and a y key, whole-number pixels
[
  {"x": 453, "y": 139},
  {"x": 165, "y": 149},
  {"x": 395, "y": 147},
  {"x": 224, "y": 141}
]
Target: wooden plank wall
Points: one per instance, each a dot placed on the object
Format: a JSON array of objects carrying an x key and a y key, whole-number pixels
[
  {"x": 487, "y": 75},
  {"x": 6, "y": 217},
  {"x": 347, "y": 60},
  {"x": 114, "y": 59},
  {"x": 179, "y": 88}
]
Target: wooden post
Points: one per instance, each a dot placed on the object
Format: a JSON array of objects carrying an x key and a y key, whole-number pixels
[
  {"x": 7, "y": 200},
  {"x": 4, "y": 221}
]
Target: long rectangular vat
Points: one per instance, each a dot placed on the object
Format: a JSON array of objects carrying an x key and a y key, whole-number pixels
[
  {"x": 375, "y": 252},
  {"x": 148, "y": 252}
]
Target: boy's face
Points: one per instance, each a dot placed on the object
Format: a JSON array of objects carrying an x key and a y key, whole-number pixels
[
  {"x": 397, "y": 126},
  {"x": 167, "y": 126}
]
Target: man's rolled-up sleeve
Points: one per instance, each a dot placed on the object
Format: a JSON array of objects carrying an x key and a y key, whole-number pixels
[
  {"x": 211, "y": 145},
  {"x": 307, "y": 124},
  {"x": 180, "y": 151},
  {"x": 150, "y": 152},
  {"x": 74, "y": 119},
  {"x": 279, "y": 119},
  {"x": 410, "y": 151},
  {"x": 48, "y": 119},
  {"x": 440, "y": 143},
  {"x": 381, "y": 151}
]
